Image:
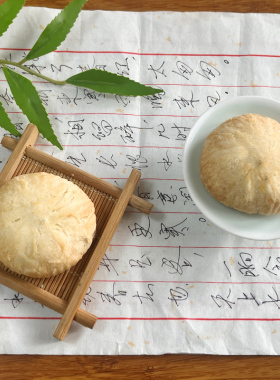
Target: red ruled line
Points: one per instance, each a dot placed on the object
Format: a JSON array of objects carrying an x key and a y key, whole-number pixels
[
  {"x": 188, "y": 319},
  {"x": 210, "y": 85},
  {"x": 191, "y": 247},
  {"x": 152, "y": 319},
  {"x": 108, "y": 113},
  {"x": 117, "y": 146},
  {"x": 165, "y": 212},
  {"x": 39, "y": 318},
  {"x": 192, "y": 282},
  {"x": 148, "y": 179},
  {"x": 151, "y": 54}
]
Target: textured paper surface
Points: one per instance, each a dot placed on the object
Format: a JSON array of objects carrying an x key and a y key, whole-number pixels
[{"x": 171, "y": 282}]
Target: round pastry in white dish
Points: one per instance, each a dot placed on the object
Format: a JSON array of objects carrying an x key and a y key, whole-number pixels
[
  {"x": 240, "y": 164},
  {"x": 250, "y": 226},
  {"x": 47, "y": 223}
]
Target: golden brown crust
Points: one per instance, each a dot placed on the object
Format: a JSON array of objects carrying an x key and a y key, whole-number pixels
[
  {"x": 46, "y": 224},
  {"x": 240, "y": 164}
]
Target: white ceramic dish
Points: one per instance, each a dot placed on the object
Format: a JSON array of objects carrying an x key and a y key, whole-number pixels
[{"x": 257, "y": 227}]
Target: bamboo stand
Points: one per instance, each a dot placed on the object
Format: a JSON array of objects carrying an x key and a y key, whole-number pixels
[{"x": 65, "y": 292}]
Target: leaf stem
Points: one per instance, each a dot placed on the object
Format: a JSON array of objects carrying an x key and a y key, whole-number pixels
[
  {"x": 22, "y": 61},
  {"x": 32, "y": 72}
]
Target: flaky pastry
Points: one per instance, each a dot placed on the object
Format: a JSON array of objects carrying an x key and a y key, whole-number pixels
[
  {"x": 47, "y": 223},
  {"x": 240, "y": 164}
]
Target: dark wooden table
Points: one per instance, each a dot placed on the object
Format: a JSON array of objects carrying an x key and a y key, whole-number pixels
[{"x": 196, "y": 367}]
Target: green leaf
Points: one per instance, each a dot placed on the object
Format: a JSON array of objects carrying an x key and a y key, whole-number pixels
[
  {"x": 103, "y": 81},
  {"x": 8, "y": 12},
  {"x": 6, "y": 123},
  {"x": 56, "y": 31},
  {"x": 28, "y": 99}
]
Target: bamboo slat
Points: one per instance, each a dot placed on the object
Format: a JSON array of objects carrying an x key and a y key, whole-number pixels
[
  {"x": 95, "y": 260},
  {"x": 28, "y": 138},
  {"x": 19, "y": 285}
]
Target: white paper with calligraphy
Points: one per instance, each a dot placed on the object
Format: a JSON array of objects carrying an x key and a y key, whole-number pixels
[{"x": 171, "y": 282}]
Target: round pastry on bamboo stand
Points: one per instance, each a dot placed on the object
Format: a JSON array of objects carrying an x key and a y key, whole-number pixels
[{"x": 47, "y": 223}]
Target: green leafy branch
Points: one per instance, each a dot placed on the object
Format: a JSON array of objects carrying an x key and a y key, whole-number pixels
[{"x": 25, "y": 93}]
